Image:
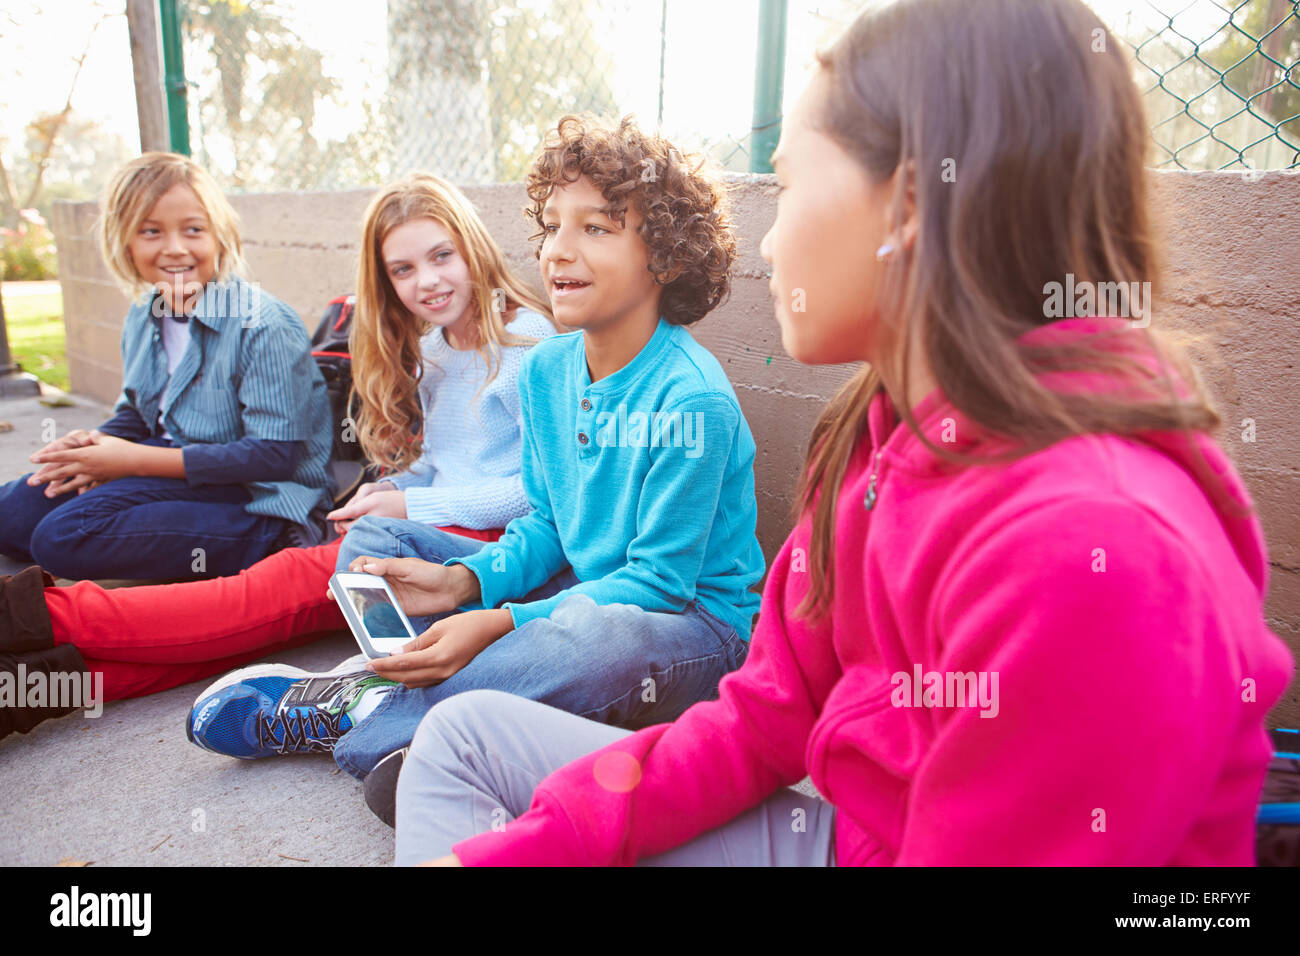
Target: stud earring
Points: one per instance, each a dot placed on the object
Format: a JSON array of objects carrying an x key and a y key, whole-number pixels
[{"x": 884, "y": 252}]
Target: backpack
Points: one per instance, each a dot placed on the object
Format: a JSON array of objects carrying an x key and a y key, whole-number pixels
[
  {"x": 1277, "y": 832},
  {"x": 329, "y": 347}
]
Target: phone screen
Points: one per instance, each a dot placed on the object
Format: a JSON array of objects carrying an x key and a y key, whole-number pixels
[{"x": 383, "y": 622}]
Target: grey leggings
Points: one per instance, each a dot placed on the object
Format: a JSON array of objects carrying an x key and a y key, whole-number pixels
[{"x": 478, "y": 756}]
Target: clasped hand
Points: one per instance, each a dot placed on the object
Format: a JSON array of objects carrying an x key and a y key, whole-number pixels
[
  {"x": 380, "y": 498},
  {"x": 82, "y": 460}
]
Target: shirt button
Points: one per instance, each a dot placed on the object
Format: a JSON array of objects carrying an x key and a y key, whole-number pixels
[
  {"x": 582, "y": 438},
  {"x": 586, "y": 405}
]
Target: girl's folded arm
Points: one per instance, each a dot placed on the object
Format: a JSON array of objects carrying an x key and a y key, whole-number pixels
[
  {"x": 667, "y": 784},
  {"x": 491, "y": 502},
  {"x": 418, "y": 475},
  {"x": 1106, "y": 704},
  {"x": 530, "y": 552}
]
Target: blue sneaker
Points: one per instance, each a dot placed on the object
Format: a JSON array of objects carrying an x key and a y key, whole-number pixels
[{"x": 273, "y": 709}]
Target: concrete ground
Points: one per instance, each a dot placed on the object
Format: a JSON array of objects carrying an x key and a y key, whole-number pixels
[{"x": 126, "y": 788}]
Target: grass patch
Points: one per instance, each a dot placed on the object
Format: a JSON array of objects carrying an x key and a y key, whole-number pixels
[{"x": 36, "y": 336}]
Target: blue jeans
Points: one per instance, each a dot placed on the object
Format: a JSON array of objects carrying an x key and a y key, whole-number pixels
[
  {"x": 616, "y": 663},
  {"x": 148, "y": 528}
]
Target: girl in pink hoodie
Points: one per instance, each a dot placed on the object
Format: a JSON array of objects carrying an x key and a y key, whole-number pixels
[{"x": 1019, "y": 620}]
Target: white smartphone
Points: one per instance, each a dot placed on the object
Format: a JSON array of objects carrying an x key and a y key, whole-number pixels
[{"x": 377, "y": 622}]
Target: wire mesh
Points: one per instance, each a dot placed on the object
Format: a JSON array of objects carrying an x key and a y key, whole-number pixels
[{"x": 292, "y": 94}]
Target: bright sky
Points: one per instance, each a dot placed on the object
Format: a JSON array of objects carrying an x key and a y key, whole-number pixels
[{"x": 38, "y": 47}]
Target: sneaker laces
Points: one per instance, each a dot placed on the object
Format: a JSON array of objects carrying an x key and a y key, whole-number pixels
[{"x": 308, "y": 731}]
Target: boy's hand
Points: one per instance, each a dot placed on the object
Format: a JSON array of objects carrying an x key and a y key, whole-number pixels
[
  {"x": 423, "y": 587},
  {"x": 444, "y": 649},
  {"x": 449, "y": 860},
  {"x": 73, "y": 439},
  {"x": 386, "y": 502},
  {"x": 102, "y": 458},
  {"x": 76, "y": 438}
]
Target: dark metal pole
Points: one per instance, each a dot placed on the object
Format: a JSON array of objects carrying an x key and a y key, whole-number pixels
[
  {"x": 178, "y": 119},
  {"x": 769, "y": 82},
  {"x": 13, "y": 380}
]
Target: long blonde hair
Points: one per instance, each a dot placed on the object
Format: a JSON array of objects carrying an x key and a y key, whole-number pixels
[
  {"x": 385, "y": 343},
  {"x": 1047, "y": 133},
  {"x": 132, "y": 193}
]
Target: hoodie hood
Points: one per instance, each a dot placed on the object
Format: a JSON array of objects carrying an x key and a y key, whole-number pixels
[{"x": 1196, "y": 452}]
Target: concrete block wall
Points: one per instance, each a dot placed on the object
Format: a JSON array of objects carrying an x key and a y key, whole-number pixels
[{"x": 1232, "y": 292}]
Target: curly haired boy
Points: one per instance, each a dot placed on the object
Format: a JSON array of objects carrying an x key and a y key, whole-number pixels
[{"x": 624, "y": 596}]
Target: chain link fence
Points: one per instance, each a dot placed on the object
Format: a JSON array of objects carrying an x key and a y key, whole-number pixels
[
  {"x": 1221, "y": 81},
  {"x": 466, "y": 88},
  {"x": 304, "y": 94}
]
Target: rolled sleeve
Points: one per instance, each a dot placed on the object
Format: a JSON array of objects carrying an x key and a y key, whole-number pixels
[
  {"x": 126, "y": 423},
  {"x": 239, "y": 462}
]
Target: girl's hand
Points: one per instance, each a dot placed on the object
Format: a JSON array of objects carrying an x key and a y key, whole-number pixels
[
  {"x": 103, "y": 458},
  {"x": 444, "y": 649},
  {"x": 381, "y": 485},
  {"x": 386, "y": 504},
  {"x": 449, "y": 860},
  {"x": 423, "y": 587}
]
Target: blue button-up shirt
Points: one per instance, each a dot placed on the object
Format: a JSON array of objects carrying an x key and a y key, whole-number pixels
[{"x": 246, "y": 373}]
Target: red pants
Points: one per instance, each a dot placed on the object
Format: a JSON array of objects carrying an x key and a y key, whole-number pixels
[{"x": 149, "y": 639}]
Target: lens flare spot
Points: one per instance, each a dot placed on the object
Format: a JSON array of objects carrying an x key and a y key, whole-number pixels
[{"x": 617, "y": 772}]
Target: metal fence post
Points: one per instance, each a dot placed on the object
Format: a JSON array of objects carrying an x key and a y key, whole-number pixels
[
  {"x": 769, "y": 83},
  {"x": 178, "y": 119},
  {"x": 13, "y": 380}
]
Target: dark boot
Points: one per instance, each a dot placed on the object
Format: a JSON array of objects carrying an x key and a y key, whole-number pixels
[
  {"x": 27, "y": 638},
  {"x": 63, "y": 658},
  {"x": 24, "y": 618},
  {"x": 380, "y": 786}
]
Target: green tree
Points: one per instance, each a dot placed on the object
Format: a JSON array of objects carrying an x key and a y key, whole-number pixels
[
  {"x": 259, "y": 86},
  {"x": 437, "y": 99},
  {"x": 475, "y": 84},
  {"x": 79, "y": 162},
  {"x": 543, "y": 65},
  {"x": 22, "y": 186}
]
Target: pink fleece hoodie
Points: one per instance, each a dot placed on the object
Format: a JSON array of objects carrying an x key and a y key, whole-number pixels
[{"x": 1110, "y": 610}]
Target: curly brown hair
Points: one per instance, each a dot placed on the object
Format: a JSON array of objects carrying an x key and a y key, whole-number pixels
[{"x": 686, "y": 227}]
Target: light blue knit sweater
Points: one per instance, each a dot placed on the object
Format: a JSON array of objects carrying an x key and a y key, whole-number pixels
[{"x": 469, "y": 471}]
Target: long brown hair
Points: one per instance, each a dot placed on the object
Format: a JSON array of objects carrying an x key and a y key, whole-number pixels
[
  {"x": 1030, "y": 108},
  {"x": 386, "y": 336}
]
